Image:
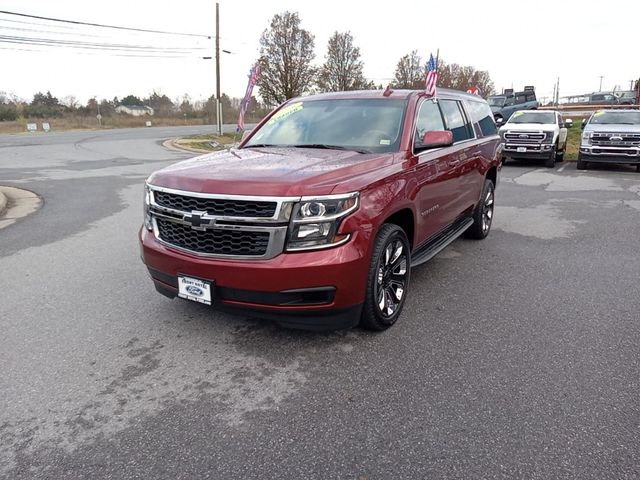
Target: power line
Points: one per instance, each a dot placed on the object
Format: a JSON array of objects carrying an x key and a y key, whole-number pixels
[
  {"x": 50, "y": 32},
  {"x": 94, "y": 45},
  {"x": 109, "y": 53},
  {"x": 117, "y": 27}
]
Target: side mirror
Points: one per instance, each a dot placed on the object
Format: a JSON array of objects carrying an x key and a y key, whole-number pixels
[
  {"x": 584, "y": 123},
  {"x": 499, "y": 121},
  {"x": 437, "y": 138},
  {"x": 568, "y": 123}
]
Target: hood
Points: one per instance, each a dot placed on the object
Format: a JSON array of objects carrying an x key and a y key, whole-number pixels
[
  {"x": 612, "y": 127},
  {"x": 271, "y": 171}
]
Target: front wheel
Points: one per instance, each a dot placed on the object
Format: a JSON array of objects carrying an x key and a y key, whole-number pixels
[
  {"x": 483, "y": 213},
  {"x": 581, "y": 165},
  {"x": 388, "y": 280},
  {"x": 551, "y": 161}
]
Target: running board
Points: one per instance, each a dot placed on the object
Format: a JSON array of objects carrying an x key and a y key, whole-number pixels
[{"x": 438, "y": 244}]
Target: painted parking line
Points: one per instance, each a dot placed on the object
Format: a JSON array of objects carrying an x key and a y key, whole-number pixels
[{"x": 561, "y": 169}]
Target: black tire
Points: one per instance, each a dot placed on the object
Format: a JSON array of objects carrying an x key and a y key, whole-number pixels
[
  {"x": 483, "y": 213},
  {"x": 560, "y": 153},
  {"x": 504, "y": 161},
  {"x": 386, "y": 272},
  {"x": 551, "y": 161},
  {"x": 581, "y": 165}
]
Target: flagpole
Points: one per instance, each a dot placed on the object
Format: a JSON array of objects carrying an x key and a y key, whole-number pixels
[{"x": 438, "y": 60}]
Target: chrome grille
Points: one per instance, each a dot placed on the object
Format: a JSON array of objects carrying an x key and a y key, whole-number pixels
[
  {"x": 216, "y": 206},
  {"x": 615, "y": 139},
  {"x": 524, "y": 137},
  {"x": 214, "y": 241},
  {"x": 225, "y": 226}
]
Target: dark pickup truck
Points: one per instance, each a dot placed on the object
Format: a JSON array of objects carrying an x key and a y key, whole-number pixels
[{"x": 317, "y": 218}]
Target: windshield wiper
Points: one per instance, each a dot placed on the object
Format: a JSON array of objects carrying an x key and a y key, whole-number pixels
[
  {"x": 330, "y": 147},
  {"x": 262, "y": 145}
]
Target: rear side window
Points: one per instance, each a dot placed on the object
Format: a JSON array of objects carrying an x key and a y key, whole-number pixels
[
  {"x": 481, "y": 114},
  {"x": 521, "y": 98},
  {"x": 455, "y": 120}
]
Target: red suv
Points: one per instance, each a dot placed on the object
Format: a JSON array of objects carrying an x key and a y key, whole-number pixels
[{"x": 316, "y": 219}]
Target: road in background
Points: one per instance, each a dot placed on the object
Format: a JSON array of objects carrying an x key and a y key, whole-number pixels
[{"x": 515, "y": 357}]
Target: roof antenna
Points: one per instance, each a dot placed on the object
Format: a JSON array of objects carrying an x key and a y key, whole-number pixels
[{"x": 388, "y": 91}]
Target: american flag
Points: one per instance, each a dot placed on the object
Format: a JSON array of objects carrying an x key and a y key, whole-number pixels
[
  {"x": 432, "y": 76},
  {"x": 254, "y": 75}
]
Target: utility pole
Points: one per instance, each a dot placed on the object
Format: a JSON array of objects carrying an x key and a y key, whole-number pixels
[
  {"x": 218, "y": 102},
  {"x": 601, "y": 77}
]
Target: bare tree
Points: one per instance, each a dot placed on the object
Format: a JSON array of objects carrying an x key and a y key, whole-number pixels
[
  {"x": 462, "y": 77},
  {"x": 342, "y": 69},
  {"x": 409, "y": 72},
  {"x": 286, "y": 52}
]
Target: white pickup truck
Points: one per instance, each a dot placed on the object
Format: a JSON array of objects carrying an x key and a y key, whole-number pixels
[{"x": 535, "y": 134}]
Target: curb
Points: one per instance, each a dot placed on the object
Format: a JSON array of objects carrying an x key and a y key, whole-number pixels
[
  {"x": 172, "y": 145},
  {"x": 3, "y": 204}
]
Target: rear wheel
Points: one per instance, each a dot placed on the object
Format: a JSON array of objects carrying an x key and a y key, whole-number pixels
[
  {"x": 388, "y": 280},
  {"x": 483, "y": 213},
  {"x": 560, "y": 153}
]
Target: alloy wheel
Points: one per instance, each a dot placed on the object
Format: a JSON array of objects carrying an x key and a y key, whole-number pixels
[
  {"x": 391, "y": 279},
  {"x": 487, "y": 211}
]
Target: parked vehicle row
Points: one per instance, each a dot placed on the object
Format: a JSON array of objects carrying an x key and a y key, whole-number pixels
[{"x": 316, "y": 220}]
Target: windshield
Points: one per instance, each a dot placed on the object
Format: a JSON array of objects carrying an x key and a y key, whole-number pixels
[
  {"x": 496, "y": 101},
  {"x": 629, "y": 118},
  {"x": 366, "y": 125},
  {"x": 533, "y": 117}
]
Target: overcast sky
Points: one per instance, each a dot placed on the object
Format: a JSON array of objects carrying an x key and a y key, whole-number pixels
[{"x": 517, "y": 42}]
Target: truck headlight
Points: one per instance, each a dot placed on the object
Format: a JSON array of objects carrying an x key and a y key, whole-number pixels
[
  {"x": 586, "y": 138},
  {"x": 148, "y": 224},
  {"x": 315, "y": 221}
]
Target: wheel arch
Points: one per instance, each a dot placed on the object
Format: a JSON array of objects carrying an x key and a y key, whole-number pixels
[{"x": 405, "y": 219}]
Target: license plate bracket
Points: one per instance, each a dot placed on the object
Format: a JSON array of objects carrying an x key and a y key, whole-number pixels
[{"x": 195, "y": 289}]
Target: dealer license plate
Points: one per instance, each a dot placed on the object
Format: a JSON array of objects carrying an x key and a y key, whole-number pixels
[
  {"x": 522, "y": 149},
  {"x": 194, "y": 289}
]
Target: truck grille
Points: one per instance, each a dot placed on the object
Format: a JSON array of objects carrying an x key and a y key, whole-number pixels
[
  {"x": 615, "y": 139},
  {"x": 216, "y": 206},
  {"x": 525, "y": 137},
  {"x": 214, "y": 241}
]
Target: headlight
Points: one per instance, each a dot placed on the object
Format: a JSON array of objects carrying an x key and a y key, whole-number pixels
[
  {"x": 586, "y": 138},
  {"x": 549, "y": 137},
  {"x": 148, "y": 224},
  {"x": 316, "y": 220}
]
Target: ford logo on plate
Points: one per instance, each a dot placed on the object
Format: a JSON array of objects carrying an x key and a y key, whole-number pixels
[{"x": 194, "y": 290}]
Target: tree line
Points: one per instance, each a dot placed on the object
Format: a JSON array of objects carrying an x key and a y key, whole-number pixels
[
  {"x": 286, "y": 61},
  {"x": 47, "y": 106}
]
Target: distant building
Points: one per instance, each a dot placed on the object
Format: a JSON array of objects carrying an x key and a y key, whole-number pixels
[{"x": 135, "y": 110}]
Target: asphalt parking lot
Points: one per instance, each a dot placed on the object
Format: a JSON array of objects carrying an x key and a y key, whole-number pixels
[{"x": 515, "y": 357}]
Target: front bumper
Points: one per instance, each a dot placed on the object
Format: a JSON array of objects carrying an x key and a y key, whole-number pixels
[
  {"x": 630, "y": 156},
  {"x": 537, "y": 151},
  {"x": 321, "y": 289}
]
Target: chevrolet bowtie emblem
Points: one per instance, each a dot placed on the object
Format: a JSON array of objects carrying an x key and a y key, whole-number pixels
[{"x": 198, "y": 222}]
